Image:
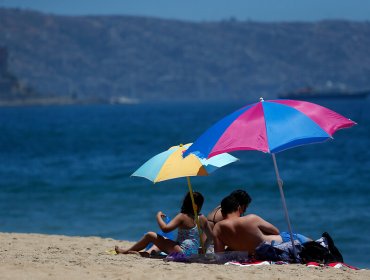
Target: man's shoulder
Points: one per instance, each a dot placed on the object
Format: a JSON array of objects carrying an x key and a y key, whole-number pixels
[
  {"x": 227, "y": 222},
  {"x": 251, "y": 217},
  {"x": 222, "y": 223}
]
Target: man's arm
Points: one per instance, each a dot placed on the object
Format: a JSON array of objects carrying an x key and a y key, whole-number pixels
[{"x": 267, "y": 228}]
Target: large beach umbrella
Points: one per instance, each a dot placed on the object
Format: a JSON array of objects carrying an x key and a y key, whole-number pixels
[
  {"x": 171, "y": 164},
  {"x": 270, "y": 126}
]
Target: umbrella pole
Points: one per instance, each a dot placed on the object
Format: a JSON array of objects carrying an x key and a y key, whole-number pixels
[
  {"x": 280, "y": 183},
  {"x": 195, "y": 214}
]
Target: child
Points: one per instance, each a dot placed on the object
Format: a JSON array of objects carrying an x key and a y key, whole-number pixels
[{"x": 187, "y": 241}]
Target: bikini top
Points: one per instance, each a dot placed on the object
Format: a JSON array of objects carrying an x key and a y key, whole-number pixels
[{"x": 214, "y": 215}]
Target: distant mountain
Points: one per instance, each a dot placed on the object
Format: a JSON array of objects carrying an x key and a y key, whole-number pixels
[
  {"x": 102, "y": 58},
  {"x": 11, "y": 89}
]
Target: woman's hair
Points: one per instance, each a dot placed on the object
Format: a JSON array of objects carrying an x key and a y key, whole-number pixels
[
  {"x": 242, "y": 197},
  {"x": 187, "y": 206}
]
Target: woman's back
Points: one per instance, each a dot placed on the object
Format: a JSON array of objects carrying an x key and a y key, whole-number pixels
[
  {"x": 187, "y": 221},
  {"x": 188, "y": 235}
]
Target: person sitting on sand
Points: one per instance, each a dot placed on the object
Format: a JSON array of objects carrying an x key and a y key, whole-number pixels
[
  {"x": 245, "y": 233},
  {"x": 241, "y": 196},
  {"x": 187, "y": 241}
]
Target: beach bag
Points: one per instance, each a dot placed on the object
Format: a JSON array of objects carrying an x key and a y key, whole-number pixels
[{"x": 313, "y": 251}]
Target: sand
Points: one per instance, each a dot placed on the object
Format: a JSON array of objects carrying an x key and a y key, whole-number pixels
[{"x": 37, "y": 256}]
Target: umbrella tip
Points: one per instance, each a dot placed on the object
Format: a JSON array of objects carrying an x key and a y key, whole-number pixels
[
  {"x": 181, "y": 145},
  {"x": 261, "y": 99}
]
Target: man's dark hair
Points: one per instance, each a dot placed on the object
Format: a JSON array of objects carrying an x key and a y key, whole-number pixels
[
  {"x": 187, "y": 206},
  {"x": 242, "y": 196},
  {"x": 229, "y": 204}
]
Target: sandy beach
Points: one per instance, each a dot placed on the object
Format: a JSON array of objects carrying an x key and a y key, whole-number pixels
[{"x": 38, "y": 256}]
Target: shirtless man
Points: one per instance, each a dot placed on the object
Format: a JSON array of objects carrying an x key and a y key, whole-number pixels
[{"x": 241, "y": 233}]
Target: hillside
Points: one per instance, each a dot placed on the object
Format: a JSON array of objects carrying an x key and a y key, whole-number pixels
[{"x": 103, "y": 57}]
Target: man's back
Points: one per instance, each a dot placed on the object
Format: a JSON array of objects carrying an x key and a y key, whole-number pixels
[{"x": 243, "y": 233}]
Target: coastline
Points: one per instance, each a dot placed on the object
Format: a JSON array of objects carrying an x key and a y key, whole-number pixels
[
  {"x": 40, "y": 256},
  {"x": 66, "y": 100}
]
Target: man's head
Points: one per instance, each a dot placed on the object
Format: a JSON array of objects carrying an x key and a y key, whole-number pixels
[
  {"x": 243, "y": 198},
  {"x": 230, "y": 205}
]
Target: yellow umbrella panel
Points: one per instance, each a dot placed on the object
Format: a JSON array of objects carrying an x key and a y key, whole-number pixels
[{"x": 171, "y": 164}]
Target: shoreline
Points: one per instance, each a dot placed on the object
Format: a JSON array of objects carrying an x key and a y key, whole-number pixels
[{"x": 41, "y": 256}]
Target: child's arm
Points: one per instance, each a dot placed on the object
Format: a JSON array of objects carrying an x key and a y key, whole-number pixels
[{"x": 173, "y": 224}]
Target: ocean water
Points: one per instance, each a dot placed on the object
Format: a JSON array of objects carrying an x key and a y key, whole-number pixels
[{"x": 66, "y": 170}]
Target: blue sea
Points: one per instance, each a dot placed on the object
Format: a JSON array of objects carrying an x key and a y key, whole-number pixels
[{"x": 66, "y": 170}]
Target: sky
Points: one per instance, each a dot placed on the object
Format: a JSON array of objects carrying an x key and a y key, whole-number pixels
[{"x": 206, "y": 10}]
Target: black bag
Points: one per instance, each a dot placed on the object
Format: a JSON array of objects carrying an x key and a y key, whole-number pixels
[
  {"x": 333, "y": 250},
  {"x": 314, "y": 252}
]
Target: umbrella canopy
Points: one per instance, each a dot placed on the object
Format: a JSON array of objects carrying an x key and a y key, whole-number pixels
[
  {"x": 171, "y": 164},
  {"x": 271, "y": 127}
]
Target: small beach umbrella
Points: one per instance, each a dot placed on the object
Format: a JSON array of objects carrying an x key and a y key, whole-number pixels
[
  {"x": 270, "y": 126},
  {"x": 171, "y": 164}
]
